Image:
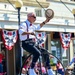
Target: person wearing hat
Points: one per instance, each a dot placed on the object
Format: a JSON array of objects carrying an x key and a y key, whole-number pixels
[{"x": 26, "y": 32}]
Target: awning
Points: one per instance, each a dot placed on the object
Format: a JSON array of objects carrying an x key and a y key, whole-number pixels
[{"x": 44, "y": 3}]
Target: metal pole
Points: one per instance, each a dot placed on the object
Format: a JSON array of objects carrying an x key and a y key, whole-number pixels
[
  {"x": 74, "y": 64},
  {"x": 74, "y": 53},
  {"x": 19, "y": 16},
  {"x": 40, "y": 62},
  {"x": 19, "y": 51},
  {"x": 74, "y": 18}
]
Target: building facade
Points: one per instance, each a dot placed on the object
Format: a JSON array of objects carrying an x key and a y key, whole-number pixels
[{"x": 63, "y": 21}]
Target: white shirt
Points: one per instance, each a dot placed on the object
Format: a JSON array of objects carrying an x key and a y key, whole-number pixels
[{"x": 23, "y": 28}]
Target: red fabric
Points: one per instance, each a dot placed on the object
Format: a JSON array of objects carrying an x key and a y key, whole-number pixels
[
  {"x": 59, "y": 66},
  {"x": 30, "y": 24},
  {"x": 1, "y": 57},
  {"x": 43, "y": 70}
]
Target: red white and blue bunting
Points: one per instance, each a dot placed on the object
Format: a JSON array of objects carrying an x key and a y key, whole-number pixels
[
  {"x": 42, "y": 37},
  {"x": 9, "y": 38},
  {"x": 65, "y": 40}
]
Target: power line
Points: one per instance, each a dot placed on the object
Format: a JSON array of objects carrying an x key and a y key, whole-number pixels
[
  {"x": 40, "y": 5},
  {"x": 65, "y": 5},
  {"x": 68, "y": 9},
  {"x": 60, "y": 1},
  {"x": 11, "y": 4}
]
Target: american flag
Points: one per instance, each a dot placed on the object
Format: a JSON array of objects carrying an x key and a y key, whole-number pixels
[
  {"x": 9, "y": 38},
  {"x": 41, "y": 36},
  {"x": 65, "y": 40}
]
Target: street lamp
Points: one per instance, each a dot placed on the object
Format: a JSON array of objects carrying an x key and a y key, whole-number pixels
[{"x": 18, "y": 5}]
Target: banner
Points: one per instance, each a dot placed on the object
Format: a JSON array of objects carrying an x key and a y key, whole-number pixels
[
  {"x": 41, "y": 36},
  {"x": 9, "y": 38},
  {"x": 65, "y": 40}
]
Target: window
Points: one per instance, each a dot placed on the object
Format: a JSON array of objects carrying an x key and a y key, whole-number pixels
[
  {"x": 38, "y": 12},
  {"x": 56, "y": 48}
]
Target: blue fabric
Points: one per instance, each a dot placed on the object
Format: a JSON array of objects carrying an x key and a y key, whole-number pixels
[
  {"x": 60, "y": 71},
  {"x": 72, "y": 61},
  {"x": 1, "y": 68}
]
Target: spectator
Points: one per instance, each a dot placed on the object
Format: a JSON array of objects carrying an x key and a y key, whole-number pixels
[
  {"x": 26, "y": 65},
  {"x": 37, "y": 68},
  {"x": 72, "y": 61},
  {"x": 60, "y": 69},
  {"x": 71, "y": 65},
  {"x": 1, "y": 59}
]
